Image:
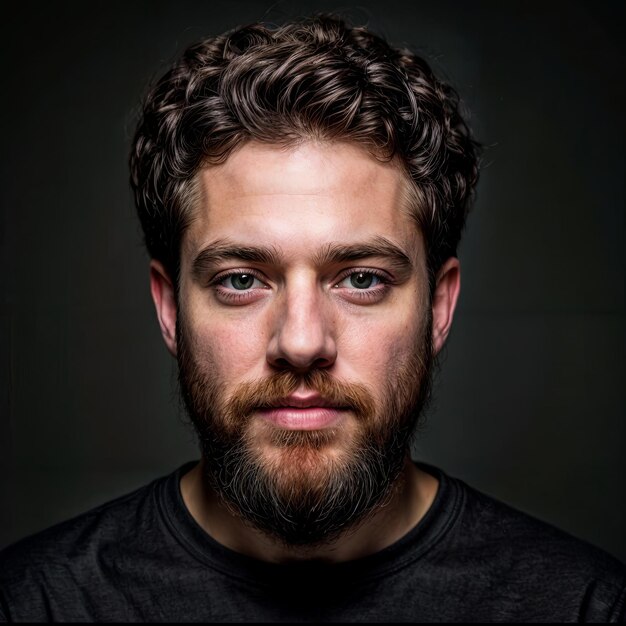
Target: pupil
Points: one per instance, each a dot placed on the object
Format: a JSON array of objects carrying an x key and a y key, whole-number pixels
[
  {"x": 242, "y": 281},
  {"x": 361, "y": 280}
]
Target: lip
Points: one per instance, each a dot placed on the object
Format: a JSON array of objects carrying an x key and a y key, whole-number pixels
[
  {"x": 305, "y": 401},
  {"x": 303, "y": 412}
]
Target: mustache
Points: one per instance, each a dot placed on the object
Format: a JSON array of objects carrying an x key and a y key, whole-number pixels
[{"x": 271, "y": 391}]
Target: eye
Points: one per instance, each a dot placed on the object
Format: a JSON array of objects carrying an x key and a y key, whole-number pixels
[
  {"x": 360, "y": 280},
  {"x": 241, "y": 282},
  {"x": 239, "y": 287},
  {"x": 364, "y": 286}
]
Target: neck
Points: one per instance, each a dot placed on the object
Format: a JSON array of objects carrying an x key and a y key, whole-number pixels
[{"x": 411, "y": 496}]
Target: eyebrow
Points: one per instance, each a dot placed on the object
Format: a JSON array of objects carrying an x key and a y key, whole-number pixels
[
  {"x": 376, "y": 247},
  {"x": 224, "y": 250}
]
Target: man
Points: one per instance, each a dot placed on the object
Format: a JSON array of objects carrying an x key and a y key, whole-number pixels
[{"x": 302, "y": 192}]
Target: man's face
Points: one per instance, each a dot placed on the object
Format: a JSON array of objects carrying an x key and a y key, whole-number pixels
[{"x": 303, "y": 333}]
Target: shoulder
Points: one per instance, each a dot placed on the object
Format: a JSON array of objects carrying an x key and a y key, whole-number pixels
[
  {"x": 105, "y": 522},
  {"x": 495, "y": 521},
  {"x": 533, "y": 558},
  {"x": 50, "y": 561}
]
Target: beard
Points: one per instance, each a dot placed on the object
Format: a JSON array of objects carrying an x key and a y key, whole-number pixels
[{"x": 304, "y": 488}]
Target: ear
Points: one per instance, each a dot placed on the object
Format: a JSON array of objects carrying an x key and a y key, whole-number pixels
[
  {"x": 163, "y": 295},
  {"x": 445, "y": 296}
]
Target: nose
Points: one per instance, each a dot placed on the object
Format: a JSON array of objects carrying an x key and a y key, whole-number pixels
[{"x": 303, "y": 336}]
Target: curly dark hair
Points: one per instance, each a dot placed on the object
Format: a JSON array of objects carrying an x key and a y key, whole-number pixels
[{"x": 316, "y": 78}]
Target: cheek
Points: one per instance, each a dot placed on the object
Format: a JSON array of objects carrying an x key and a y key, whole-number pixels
[
  {"x": 230, "y": 351},
  {"x": 375, "y": 349}
]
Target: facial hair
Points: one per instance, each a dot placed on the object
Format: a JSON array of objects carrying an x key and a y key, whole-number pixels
[{"x": 301, "y": 494}]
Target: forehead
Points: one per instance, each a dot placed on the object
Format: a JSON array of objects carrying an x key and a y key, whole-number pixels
[{"x": 300, "y": 197}]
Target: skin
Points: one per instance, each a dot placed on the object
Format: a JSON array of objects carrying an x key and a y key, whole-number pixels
[{"x": 303, "y": 313}]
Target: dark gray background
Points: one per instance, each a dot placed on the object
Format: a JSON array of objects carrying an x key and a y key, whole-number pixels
[{"x": 530, "y": 402}]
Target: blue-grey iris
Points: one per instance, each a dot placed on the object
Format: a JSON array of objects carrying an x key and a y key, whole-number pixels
[
  {"x": 242, "y": 281},
  {"x": 361, "y": 280}
]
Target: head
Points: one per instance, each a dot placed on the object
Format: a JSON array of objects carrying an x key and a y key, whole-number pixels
[{"x": 302, "y": 192}]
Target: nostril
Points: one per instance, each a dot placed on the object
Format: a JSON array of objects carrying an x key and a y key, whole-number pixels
[
  {"x": 318, "y": 363},
  {"x": 281, "y": 363}
]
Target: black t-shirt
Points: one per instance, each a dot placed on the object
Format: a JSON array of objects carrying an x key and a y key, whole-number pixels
[{"x": 471, "y": 558}]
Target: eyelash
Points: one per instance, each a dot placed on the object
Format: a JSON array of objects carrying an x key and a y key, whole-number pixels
[
  {"x": 367, "y": 294},
  {"x": 362, "y": 294},
  {"x": 229, "y": 294}
]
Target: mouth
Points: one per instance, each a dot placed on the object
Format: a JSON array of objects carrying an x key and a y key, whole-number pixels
[{"x": 303, "y": 412}]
